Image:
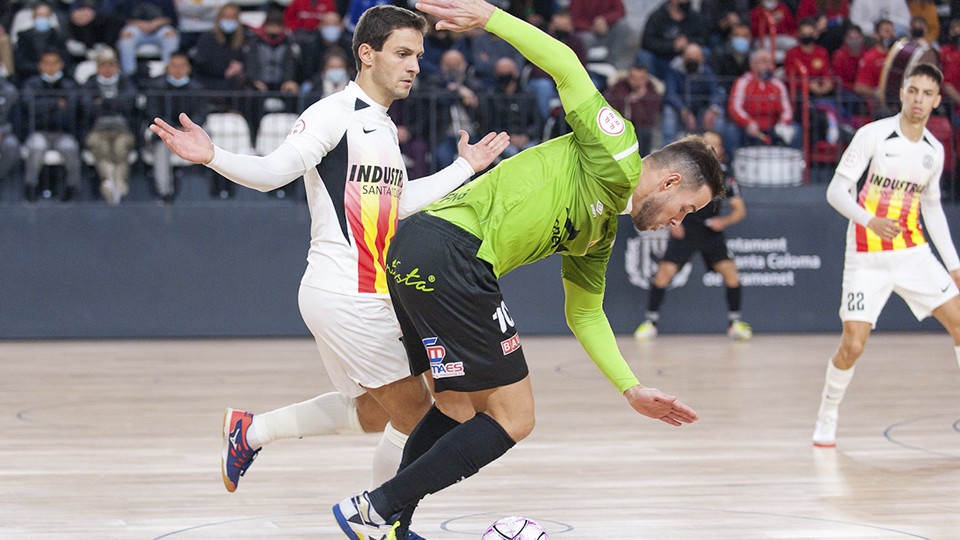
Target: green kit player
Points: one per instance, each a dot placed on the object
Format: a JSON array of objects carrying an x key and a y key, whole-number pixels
[{"x": 562, "y": 196}]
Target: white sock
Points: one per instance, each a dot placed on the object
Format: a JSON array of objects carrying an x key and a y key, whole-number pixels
[
  {"x": 957, "y": 351},
  {"x": 834, "y": 387},
  {"x": 386, "y": 458},
  {"x": 328, "y": 414}
]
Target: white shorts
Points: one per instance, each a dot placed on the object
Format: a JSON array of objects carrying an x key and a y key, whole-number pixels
[
  {"x": 914, "y": 274},
  {"x": 358, "y": 338}
]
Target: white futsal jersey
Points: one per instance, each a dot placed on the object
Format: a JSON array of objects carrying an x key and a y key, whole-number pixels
[
  {"x": 895, "y": 175},
  {"x": 354, "y": 177}
]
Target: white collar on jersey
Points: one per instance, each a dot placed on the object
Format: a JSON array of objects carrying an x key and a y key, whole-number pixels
[{"x": 352, "y": 85}]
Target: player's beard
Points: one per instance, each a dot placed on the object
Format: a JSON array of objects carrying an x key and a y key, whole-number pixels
[{"x": 646, "y": 218}]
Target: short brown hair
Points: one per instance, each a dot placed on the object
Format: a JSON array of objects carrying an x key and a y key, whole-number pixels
[
  {"x": 927, "y": 70},
  {"x": 377, "y": 23},
  {"x": 696, "y": 162}
]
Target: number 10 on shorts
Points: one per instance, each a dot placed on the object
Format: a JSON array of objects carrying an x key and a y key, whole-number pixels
[{"x": 502, "y": 316}]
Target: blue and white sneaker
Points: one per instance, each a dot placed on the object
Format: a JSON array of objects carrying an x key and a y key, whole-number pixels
[
  {"x": 237, "y": 454},
  {"x": 359, "y": 521}
]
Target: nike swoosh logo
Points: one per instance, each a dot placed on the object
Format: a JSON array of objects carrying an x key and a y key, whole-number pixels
[
  {"x": 945, "y": 288},
  {"x": 365, "y": 130}
]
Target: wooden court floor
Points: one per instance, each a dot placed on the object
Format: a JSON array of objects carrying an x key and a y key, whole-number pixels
[{"x": 121, "y": 440}]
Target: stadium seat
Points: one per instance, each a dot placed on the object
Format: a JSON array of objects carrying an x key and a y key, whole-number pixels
[
  {"x": 272, "y": 131},
  {"x": 229, "y": 131}
]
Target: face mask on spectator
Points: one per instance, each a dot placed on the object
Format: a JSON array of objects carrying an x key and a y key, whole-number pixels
[
  {"x": 740, "y": 44},
  {"x": 51, "y": 78},
  {"x": 336, "y": 75},
  {"x": 179, "y": 83},
  {"x": 108, "y": 81},
  {"x": 229, "y": 26},
  {"x": 888, "y": 42},
  {"x": 766, "y": 75},
  {"x": 504, "y": 81},
  {"x": 561, "y": 34},
  {"x": 331, "y": 33},
  {"x": 691, "y": 66},
  {"x": 855, "y": 44},
  {"x": 42, "y": 24},
  {"x": 917, "y": 32},
  {"x": 807, "y": 40},
  {"x": 685, "y": 7},
  {"x": 770, "y": 5}
]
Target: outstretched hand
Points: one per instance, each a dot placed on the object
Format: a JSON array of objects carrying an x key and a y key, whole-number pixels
[
  {"x": 655, "y": 404},
  {"x": 482, "y": 154},
  {"x": 192, "y": 143},
  {"x": 458, "y": 15}
]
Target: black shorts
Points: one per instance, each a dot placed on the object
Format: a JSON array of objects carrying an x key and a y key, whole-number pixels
[
  {"x": 453, "y": 318},
  {"x": 711, "y": 244}
]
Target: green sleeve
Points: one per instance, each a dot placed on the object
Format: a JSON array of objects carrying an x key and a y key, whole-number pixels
[
  {"x": 558, "y": 60},
  {"x": 584, "y": 312}
]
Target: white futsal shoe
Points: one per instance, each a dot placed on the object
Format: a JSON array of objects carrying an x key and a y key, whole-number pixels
[{"x": 825, "y": 433}]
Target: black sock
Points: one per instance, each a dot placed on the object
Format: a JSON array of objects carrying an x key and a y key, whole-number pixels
[
  {"x": 654, "y": 301},
  {"x": 733, "y": 302},
  {"x": 431, "y": 428},
  {"x": 457, "y": 455},
  {"x": 434, "y": 425}
]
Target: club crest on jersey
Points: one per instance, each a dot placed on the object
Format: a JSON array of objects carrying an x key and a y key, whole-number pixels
[
  {"x": 298, "y": 127},
  {"x": 436, "y": 354},
  {"x": 928, "y": 161},
  {"x": 610, "y": 122}
]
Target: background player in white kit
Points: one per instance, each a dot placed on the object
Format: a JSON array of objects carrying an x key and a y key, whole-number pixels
[
  {"x": 345, "y": 146},
  {"x": 899, "y": 164}
]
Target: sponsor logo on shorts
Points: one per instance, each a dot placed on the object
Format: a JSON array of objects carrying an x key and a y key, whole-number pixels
[
  {"x": 436, "y": 354},
  {"x": 411, "y": 278},
  {"x": 610, "y": 122},
  {"x": 510, "y": 344}
]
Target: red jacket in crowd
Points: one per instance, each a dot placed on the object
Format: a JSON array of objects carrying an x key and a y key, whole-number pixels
[
  {"x": 306, "y": 14},
  {"x": 845, "y": 66},
  {"x": 756, "y": 100},
  {"x": 786, "y": 24},
  {"x": 583, "y": 12}
]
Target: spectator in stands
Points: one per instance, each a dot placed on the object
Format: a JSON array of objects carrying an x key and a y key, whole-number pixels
[
  {"x": 733, "y": 60},
  {"x": 926, "y": 10},
  {"x": 844, "y": 63},
  {"x": 9, "y": 144},
  {"x": 542, "y": 84},
  {"x": 272, "y": 59},
  {"x": 168, "y": 96},
  {"x": 45, "y": 35},
  {"x": 669, "y": 30},
  {"x": 694, "y": 98},
  {"x": 950, "y": 59},
  {"x": 604, "y": 29},
  {"x": 108, "y": 104},
  {"x": 92, "y": 23},
  {"x": 510, "y": 108},
  {"x": 637, "y": 99},
  {"x": 306, "y": 14},
  {"x": 149, "y": 22},
  {"x": 51, "y": 102},
  {"x": 918, "y": 31},
  {"x": 867, "y": 13},
  {"x": 355, "y": 10},
  {"x": 196, "y": 17},
  {"x": 831, "y": 19},
  {"x": 456, "y": 105},
  {"x": 482, "y": 51},
  {"x": 814, "y": 61},
  {"x": 6, "y": 55},
  {"x": 870, "y": 69},
  {"x": 720, "y": 17},
  {"x": 333, "y": 77},
  {"x": 759, "y": 110},
  {"x": 435, "y": 43},
  {"x": 784, "y": 24},
  {"x": 329, "y": 36},
  {"x": 218, "y": 63}
]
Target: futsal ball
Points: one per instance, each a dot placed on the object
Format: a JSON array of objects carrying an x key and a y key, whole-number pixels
[{"x": 515, "y": 528}]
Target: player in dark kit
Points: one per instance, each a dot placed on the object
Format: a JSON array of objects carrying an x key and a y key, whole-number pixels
[
  {"x": 562, "y": 196},
  {"x": 703, "y": 232}
]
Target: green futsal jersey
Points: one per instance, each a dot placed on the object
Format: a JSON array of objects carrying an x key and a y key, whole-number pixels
[{"x": 562, "y": 196}]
